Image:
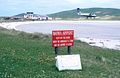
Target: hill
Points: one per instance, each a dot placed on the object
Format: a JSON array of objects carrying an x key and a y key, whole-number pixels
[
  {"x": 20, "y": 15},
  {"x": 24, "y": 55},
  {"x": 100, "y": 12}
]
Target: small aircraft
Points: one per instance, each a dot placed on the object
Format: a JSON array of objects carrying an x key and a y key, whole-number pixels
[{"x": 87, "y": 15}]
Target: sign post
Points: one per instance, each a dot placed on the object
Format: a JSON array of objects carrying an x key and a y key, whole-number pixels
[
  {"x": 69, "y": 49},
  {"x": 62, "y": 38},
  {"x": 56, "y": 50}
]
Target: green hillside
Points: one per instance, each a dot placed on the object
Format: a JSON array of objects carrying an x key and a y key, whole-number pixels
[
  {"x": 20, "y": 15},
  {"x": 24, "y": 55},
  {"x": 98, "y": 11}
]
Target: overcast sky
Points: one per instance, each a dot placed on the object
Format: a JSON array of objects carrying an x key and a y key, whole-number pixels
[{"x": 13, "y": 7}]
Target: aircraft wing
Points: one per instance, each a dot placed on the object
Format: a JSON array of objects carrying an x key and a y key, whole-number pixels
[{"x": 85, "y": 14}]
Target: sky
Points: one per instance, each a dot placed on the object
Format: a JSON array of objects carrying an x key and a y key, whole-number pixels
[{"x": 43, "y": 7}]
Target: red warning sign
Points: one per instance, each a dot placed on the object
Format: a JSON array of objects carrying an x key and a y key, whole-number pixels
[{"x": 62, "y": 38}]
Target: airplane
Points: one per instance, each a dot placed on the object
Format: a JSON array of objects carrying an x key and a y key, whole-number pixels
[{"x": 87, "y": 15}]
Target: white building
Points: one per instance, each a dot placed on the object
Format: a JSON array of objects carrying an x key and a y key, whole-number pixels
[{"x": 32, "y": 16}]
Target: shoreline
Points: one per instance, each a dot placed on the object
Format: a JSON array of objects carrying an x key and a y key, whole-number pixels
[{"x": 104, "y": 43}]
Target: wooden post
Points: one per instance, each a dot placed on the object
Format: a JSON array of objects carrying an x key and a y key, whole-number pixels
[
  {"x": 69, "y": 49},
  {"x": 56, "y": 50}
]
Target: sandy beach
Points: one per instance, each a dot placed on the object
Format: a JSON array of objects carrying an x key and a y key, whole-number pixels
[
  {"x": 104, "y": 43},
  {"x": 12, "y": 25}
]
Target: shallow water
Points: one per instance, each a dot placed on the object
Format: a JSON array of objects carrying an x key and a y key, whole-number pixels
[{"x": 100, "y": 30}]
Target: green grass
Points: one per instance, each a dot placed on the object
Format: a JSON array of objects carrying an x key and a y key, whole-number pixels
[{"x": 24, "y": 55}]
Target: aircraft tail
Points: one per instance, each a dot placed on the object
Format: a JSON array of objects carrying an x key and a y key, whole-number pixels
[{"x": 78, "y": 11}]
